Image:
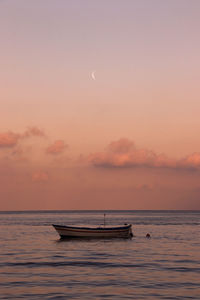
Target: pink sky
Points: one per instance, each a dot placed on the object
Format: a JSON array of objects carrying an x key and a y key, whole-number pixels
[{"x": 127, "y": 140}]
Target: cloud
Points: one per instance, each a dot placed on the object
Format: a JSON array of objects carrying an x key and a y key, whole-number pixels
[
  {"x": 40, "y": 176},
  {"x": 57, "y": 147},
  {"x": 121, "y": 146},
  {"x": 124, "y": 154},
  {"x": 33, "y": 131},
  {"x": 9, "y": 139},
  {"x": 191, "y": 161}
]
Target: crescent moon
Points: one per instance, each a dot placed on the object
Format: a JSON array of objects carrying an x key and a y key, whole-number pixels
[{"x": 93, "y": 75}]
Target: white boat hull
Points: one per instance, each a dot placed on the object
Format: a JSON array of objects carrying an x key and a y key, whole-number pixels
[{"x": 97, "y": 232}]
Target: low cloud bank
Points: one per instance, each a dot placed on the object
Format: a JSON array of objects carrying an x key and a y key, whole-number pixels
[{"x": 124, "y": 154}]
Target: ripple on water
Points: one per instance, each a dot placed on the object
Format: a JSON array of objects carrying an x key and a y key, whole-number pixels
[{"x": 34, "y": 264}]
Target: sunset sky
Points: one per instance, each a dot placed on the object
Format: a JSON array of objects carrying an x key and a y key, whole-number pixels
[{"x": 130, "y": 139}]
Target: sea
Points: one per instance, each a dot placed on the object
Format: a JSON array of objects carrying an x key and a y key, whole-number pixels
[{"x": 36, "y": 264}]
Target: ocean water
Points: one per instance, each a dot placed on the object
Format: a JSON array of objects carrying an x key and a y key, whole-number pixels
[{"x": 35, "y": 264}]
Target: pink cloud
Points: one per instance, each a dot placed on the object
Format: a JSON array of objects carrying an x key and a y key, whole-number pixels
[
  {"x": 124, "y": 154},
  {"x": 123, "y": 145},
  {"x": 57, "y": 147},
  {"x": 9, "y": 139},
  {"x": 40, "y": 176},
  {"x": 191, "y": 161},
  {"x": 34, "y": 131}
]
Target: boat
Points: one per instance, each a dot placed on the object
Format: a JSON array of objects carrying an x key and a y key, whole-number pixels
[{"x": 124, "y": 231}]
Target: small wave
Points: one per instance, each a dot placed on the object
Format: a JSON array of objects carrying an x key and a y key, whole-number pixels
[
  {"x": 100, "y": 264},
  {"x": 61, "y": 264},
  {"x": 183, "y": 269}
]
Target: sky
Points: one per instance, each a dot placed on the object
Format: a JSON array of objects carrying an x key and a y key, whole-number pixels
[{"x": 127, "y": 138}]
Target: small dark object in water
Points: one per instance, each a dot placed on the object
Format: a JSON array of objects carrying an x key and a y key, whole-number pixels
[{"x": 148, "y": 236}]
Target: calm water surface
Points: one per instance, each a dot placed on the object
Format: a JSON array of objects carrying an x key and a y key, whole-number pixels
[{"x": 35, "y": 264}]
